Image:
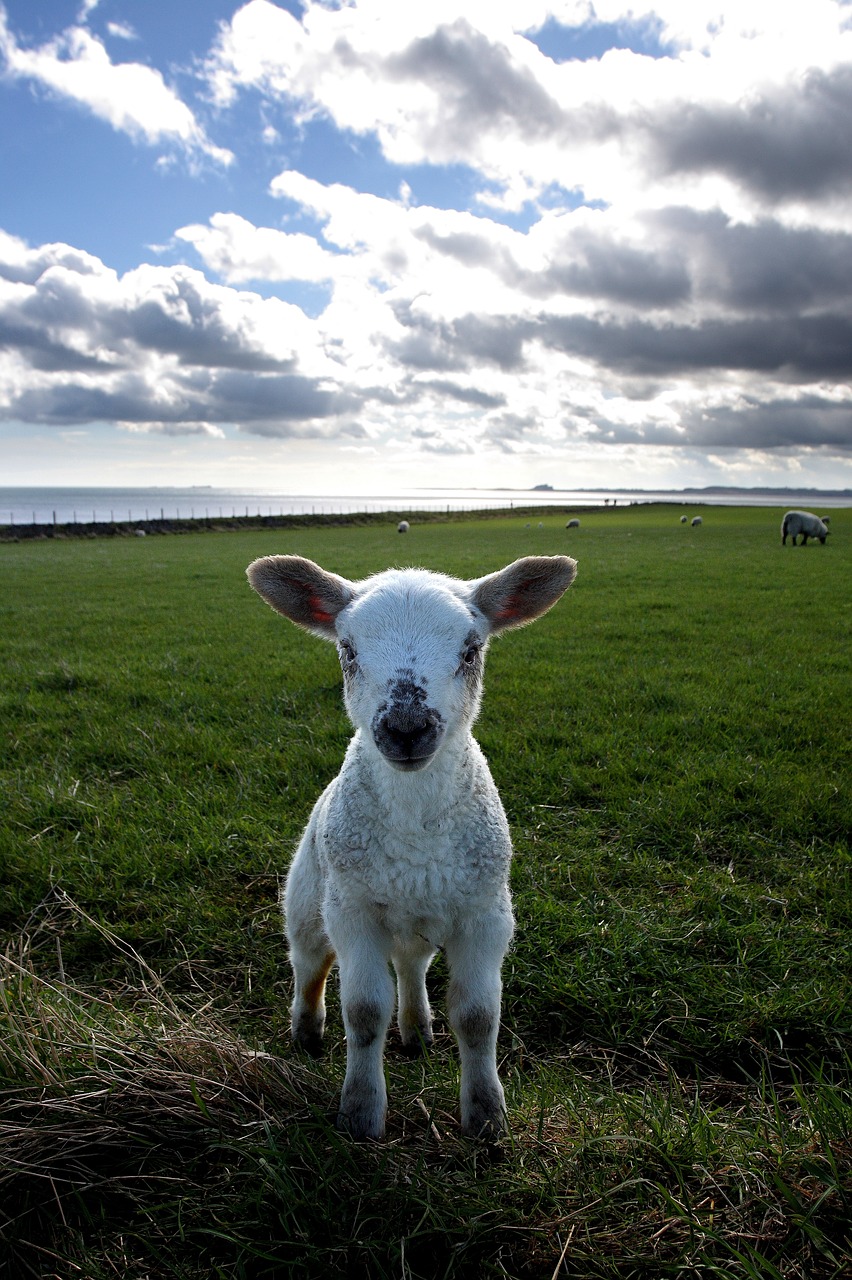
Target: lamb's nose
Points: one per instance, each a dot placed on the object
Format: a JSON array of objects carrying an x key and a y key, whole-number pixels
[{"x": 407, "y": 733}]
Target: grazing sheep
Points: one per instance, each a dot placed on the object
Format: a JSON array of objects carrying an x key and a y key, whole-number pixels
[
  {"x": 573, "y": 524},
  {"x": 696, "y": 520},
  {"x": 683, "y": 519},
  {"x": 804, "y": 523},
  {"x": 407, "y": 850},
  {"x": 403, "y": 526}
]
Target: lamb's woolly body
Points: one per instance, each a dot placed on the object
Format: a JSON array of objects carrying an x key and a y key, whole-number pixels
[
  {"x": 408, "y": 849},
  {"x": 804, "y": 523},
  {"x": 420, "y": 847}
]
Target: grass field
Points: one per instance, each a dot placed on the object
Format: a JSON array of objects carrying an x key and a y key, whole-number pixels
[{"x": 672, "y": 744}]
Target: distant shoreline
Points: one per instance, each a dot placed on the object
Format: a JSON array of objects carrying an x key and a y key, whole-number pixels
[{"x": 57, "y": 506}]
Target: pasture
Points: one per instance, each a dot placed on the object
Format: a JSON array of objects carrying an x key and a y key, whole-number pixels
[{"x": 672, "y": 746}]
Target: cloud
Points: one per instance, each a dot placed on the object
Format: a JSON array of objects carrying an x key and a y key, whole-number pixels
[
  {"x": 701, "y": 302},
  {"x": 749, "y": 97},
  {"x": 157, "y": 345},
  {"x": 239, "y": 251},
  {"x": 131, "y": 97},
  {"x": 789, "y": 141}
]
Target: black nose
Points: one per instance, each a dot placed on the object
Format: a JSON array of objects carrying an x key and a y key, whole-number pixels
[{"x": 406, "y": 734}]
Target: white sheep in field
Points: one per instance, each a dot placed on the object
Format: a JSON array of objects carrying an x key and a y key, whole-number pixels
[
  {"x": 804, "y": 523},
  {"x": 403, "y": 526},
  {"x": 573, "y": 524},
  {"x": 696, "y": 520},
  {"x": 683, "y": 519},
  {"x": 408, "y": 849}
]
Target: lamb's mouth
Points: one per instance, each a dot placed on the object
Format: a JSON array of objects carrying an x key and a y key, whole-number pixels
[{"x": 410, "y": 765}]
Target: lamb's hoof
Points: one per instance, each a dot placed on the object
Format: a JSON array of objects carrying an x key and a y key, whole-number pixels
[
  {"x": 308, "y": 1038},
  {"x": 485, "y": 1118},
  {"x": 361, "y": 1128},
  {"x": 417, "y": 1042}
]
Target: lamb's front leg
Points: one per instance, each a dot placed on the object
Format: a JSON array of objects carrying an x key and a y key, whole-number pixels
[
  {"x": 475, "y": 955},
  {"x": 367, "y": 998}
]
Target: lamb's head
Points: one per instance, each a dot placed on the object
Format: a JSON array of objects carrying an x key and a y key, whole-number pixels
[{"x": 411, "y": 642}]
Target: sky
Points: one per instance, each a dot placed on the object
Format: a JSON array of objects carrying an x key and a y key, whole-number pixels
[{"x": 354, "y": 246}]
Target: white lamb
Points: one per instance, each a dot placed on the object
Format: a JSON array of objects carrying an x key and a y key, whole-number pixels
[
  {"x": 408, "y": 849},
  {"x": 804, "y": 523},
  {"x": 696, "y": 521}
]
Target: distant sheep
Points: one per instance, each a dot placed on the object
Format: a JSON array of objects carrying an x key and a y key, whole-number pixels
[
  {"x": 683, "y": 519},
  {"x": 407, "y": 850},
  {"x": 403, "y": 526},
  {"x": 573, "y": 524},
  {"x": 696, "y": 520},
  {"x": 804, "y": 523}
]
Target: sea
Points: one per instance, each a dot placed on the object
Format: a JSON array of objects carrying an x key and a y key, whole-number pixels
[{"x": 20, "y": 505}]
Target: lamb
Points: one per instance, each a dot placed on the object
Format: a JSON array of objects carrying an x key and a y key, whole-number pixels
[
  {"x": 403, "y": 526},
  {"x": 407, "y": 850},
  {"x": 683, "y": 519},
  {"x": 804, "y": 523},
  {"x": 696, "y": 520},
  {"x": 573, "y": 524}
]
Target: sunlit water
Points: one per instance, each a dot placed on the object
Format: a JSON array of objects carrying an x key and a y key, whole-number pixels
[{"x": 69, "y": 505}]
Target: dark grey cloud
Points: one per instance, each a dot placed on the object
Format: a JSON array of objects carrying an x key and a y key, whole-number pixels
[
  {"x": 762, "y": 266},
  {"x": 279, "y": 404},
  {"x": 187, "y": 322},
  {"x": 480, "y": 86},
  {"x": 467, "y": 247},
  {"x": 793, "y": 141},
  {"x": 811, "y": 422},
  {"x": 453, "y": 345},
  {"x": 70, "y": 403},
  {"x": 467, "y": 395},
  {"x": 774, "y": 424},
  {"x": 68, "y": 320},
  {"x": 594, "y": 264},
  {"x": 795, "y": 348},
  {"x": 44, "y": 352},
  {"x": 239, "y": 396},
  {"x": 686, "y": 256}
]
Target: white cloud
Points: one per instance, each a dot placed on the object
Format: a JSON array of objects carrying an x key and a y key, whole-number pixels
[
  {"x": 131, "y": 97},
  {"x": 437, "y": 88},
  {"x": 122, "y": 31},
  {"x": 239, "y": 251}
]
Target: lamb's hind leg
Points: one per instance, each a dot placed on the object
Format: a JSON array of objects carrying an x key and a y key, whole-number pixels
[
  {"x": 475, "y": 956},
  {"x": 414, "y": 1016},
  {"x": 311, "y": 953}
]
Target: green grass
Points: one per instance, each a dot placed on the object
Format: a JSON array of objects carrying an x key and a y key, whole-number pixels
[{"x": 672, "y": 746}]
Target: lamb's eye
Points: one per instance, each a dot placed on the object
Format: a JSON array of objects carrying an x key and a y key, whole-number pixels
[
  {"x": 470, "y": 655},
  {"x": 347, "y": 652}
]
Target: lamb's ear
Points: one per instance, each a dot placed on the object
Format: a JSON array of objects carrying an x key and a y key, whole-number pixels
[
  {"x": 523, "y": 590},
  {"x": 302, "y": 591}
]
